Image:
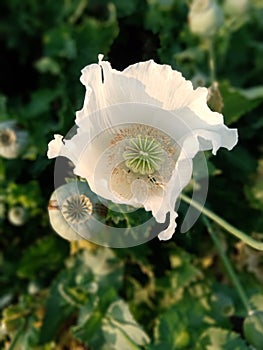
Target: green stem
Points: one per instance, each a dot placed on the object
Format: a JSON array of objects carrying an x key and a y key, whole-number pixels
[
  {"x": 231, "y": 229},
  {"x": 212, "y": 61},
  {"x": 229, "y": 267}
]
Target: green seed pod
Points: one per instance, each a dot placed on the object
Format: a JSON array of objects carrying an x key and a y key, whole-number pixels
[
  {"x": 253, "y": 329},
  {"x": 205, "y": 18},
  {"x": 70, "y": 206},
  {"x": 17, "y": 215},
  {"x": 13, "y": 140}
]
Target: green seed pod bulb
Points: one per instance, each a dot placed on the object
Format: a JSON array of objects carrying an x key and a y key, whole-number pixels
[
  {"x": 17, "y": 215},
  {"x": 205, "y": 18},
  {"x": 253, "y": 329},
  {"x": 69, "y": 206},
  {"x": 13, "y": 140}
]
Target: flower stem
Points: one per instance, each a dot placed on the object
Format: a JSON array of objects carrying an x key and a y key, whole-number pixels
[
  {"x": 229, "y": 228},
  {"x": 212, "y": 61},
  {"x": 229, "y": 267}
]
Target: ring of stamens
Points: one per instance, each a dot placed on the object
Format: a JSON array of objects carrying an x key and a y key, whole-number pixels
[
  {"x": 77, "y": 208},
  {"x": 143, "y": 155}
]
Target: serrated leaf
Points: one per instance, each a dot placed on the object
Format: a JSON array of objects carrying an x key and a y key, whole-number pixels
[
  {"x": 172, "y": 330},
  {"x": 84, "y": 286},
  {"x": 253, "y": 329},
  {"x": 48, "y": 252},
  {"x": 89, "y": 324},
  {"x": 238, "y": 102},
  {"x": 108, "y": 323},
  {"x": 221, "y": 339},
  {"x": 57, "y": 311},
  {"x": 105, "y": 267},
  {"x": 120, "y": 328},
  {"x": 21, "y": 323},
  {"x": 182, "y": 273},
  {"x": 99, "y": 35}
]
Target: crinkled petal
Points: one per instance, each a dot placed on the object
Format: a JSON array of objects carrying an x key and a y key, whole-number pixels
[
  {"x": 59, "y": 147},
  {"x": 145, "y": 82},
  {"x": 55, "y": 146}
]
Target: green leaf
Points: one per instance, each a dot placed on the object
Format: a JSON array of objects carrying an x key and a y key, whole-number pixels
[
  {"x": 254, "y": 190},
  {"x": 96, "y": 34},
  {"x": 104, "y": 266},
  {"x": 182, "y": 274},
  {"x": 83, "y": 286},
  {"x": 42, "y": 257},
  {"x": 59, "y": 43},
  {"x": 89, "y": 325},
  {"x": 126, "y": 8},
  {"x": 257, "y": 301},
  {"x": 113, "y": 327},
  {"x": 220, "y": 339},
  {"x": 40, "y": 103},
  {"x": 253, "y": 329},
  {"x": 21, "y": 322},
  {"x": 57, "y": 312},
  {"x": 172, "y": 330},
  {"x": 238, "y": 102},
  {"x": 120, "y": 329}
]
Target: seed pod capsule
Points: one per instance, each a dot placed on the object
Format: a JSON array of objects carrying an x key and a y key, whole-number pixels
[
  {"x": 17, "y": 215},
  {"x": 71, "y": 210},
  {"x": 13, "y": 140}
]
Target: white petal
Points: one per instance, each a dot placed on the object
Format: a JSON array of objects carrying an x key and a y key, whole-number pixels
[
  {"x": 64, "y": 148},
  {"x": 169, "y": 231},
  {"x": 55, "y": 146}
]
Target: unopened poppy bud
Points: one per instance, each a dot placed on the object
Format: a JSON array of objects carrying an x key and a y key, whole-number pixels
[
  {"x": 236, "y": 8},
  {"x": 205, "y": 18},
  {"x": 17, "y": 215},
  {"x": 214, "y": 99},
  {"x": 13, "y": 140}
]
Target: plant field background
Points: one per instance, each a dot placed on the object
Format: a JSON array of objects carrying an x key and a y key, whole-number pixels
[{"x": 160, "y": 295}]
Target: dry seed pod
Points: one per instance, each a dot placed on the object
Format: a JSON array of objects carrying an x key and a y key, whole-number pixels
[
  {"x": 70, "y": 207},
  {"x": 13, "y": 140},
  {"x": 17, "y": 215}
]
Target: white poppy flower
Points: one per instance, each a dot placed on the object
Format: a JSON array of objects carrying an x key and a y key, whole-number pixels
[{"x": 137, "y": 134}]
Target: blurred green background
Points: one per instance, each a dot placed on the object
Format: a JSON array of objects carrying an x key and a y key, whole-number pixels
[{"x": 160, "y": 295}]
